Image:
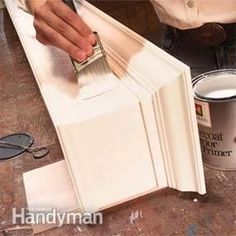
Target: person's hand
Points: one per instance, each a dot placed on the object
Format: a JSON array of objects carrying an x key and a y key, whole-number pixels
[{"x": 56, "y": 24}]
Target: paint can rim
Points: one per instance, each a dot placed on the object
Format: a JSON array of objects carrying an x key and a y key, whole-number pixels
[{"x": 213, "y": 75}]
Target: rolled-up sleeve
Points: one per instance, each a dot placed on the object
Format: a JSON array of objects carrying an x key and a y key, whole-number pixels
[
  {"x": 185, "y": 14},
  {"x": 23, "y": 5}
]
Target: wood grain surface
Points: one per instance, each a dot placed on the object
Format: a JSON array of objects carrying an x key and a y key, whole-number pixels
[{"x": 167, "y": 212}]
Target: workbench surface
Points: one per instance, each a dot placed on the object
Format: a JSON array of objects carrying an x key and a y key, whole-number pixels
[{"x": 167, "y": 212}]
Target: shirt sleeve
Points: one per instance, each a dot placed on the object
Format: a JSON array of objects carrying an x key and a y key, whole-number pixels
[
  {"x": 181, "y": 14},
  {"x": 23, "y": 5},
  {"x": 186, "y": 14}
]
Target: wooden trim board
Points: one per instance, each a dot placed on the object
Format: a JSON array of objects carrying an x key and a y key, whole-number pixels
[{"x": 138, "y": 138}]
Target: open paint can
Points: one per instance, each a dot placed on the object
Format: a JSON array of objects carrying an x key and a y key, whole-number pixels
[{"x": 215, "y": 103}]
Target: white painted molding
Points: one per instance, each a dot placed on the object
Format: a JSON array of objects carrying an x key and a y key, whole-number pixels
[
  {"x": 143, "y": 61},
  {"x": 148, "y": 123}
]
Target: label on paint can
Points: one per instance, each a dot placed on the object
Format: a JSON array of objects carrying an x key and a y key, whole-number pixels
[{"x": 203, "y": 113}]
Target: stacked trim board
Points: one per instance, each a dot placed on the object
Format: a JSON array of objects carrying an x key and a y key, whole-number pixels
[{"x": 137, "y": 138}]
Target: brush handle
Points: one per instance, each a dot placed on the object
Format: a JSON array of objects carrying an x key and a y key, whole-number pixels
[{"x": 70, "y": 4}]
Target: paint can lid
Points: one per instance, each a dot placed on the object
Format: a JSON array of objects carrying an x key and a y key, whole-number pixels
[{"x": 17, "y": 140}]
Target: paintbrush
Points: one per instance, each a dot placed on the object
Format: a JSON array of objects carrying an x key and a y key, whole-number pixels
[{"x": 94, "y": 74}]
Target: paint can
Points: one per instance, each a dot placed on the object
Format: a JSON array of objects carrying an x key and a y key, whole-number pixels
[{"x": 215, "y": 103}]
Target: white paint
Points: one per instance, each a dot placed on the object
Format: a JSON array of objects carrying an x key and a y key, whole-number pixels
[
  {"x": 80, "y": 229},
  {"x": 135, "y": 215},
  {"x": 96, "y": 79},
  {"x": 217, "y": 85},
  {"x": 222, "y": 93}
]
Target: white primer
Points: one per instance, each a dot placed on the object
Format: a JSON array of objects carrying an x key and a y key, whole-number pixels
[{"x": 216, "y": 86}]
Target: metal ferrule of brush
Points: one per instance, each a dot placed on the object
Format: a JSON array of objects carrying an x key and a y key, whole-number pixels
[{"x": 98, "y": 53}]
